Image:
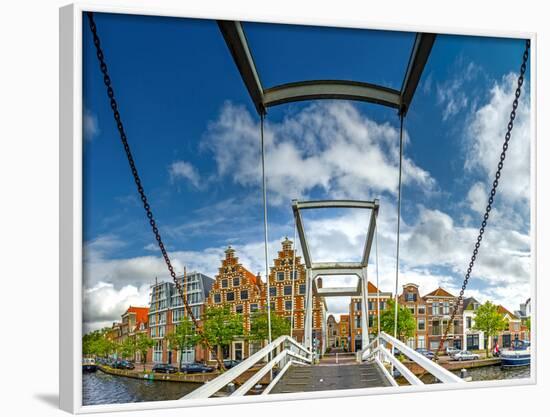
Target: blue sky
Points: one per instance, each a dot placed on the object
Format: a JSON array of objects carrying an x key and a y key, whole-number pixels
[{"x": 195, "y": 137}]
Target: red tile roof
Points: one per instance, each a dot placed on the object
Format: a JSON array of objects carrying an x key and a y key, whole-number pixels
[
  {"x": 140, "y": 312},
  {"x": 502, "y": 310}
]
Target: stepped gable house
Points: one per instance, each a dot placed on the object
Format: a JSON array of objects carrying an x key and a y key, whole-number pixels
[
  {"x": 281, "y": 282},
  {"x": 244, "y": 293}
]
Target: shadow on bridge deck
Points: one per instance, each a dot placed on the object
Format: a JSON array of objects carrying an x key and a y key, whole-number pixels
[{"x": 328, "y": 378}]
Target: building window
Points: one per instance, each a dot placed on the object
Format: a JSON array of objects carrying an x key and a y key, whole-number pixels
[
  {"x": 294, "y": 274},
  {"x": 236, "y": 281},
  {"x": 272, "y": 291},
  {"x": 357, "y": 322},
  {"x": 288, "y": 305},
  {"x": 435, "y": 309},
  {"x": 436, "y": 330},
  {"x": 446, "y": 307},
  {"x": 239, "y": 309},
  {"x": 224, "y": 283},
  {"x": 472, "y": 341},
  {"x": 422, "y": 310},
  {"x": 288, "y": 290},
  {"x": 253, "y": 308},
  {"x": 411, "y": 308},
  {"x": 371, "y": 320},
  {"x": 217, "y": 298},
  {"x": 244, "y": 295},
  {"x": 421, "y": 324},
  {"x": 456, "y": 326},
  {"x": 280, "y": 276},
  {"x": 382, "y": 305},
  {"x": 302, "y": 289},
  {"x": 371, "y": 305},
  {"x": 411, "y": 297},
  {"x": 358, "y": 305},
  {"x": 421, "y": 343},
  {"x": 230, "y": 296}
]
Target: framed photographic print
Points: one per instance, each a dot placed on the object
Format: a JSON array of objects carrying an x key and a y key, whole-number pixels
[{"x": 264, "y": 211}]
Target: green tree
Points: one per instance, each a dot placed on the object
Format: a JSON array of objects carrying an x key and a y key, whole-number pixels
[
  {"x": 489, "y": 321},
  {"x": 258, "y": 326},
  {"x": 406, "y": 324},
  {"x": 528, "y": 324},
  {"x": 184, "y": 337},
  {"x": 128, "y": 348},
  {"x": 96, "y": 343},
  {"x": 220, "y": 328},
  {"x": 143, "y": 344}
]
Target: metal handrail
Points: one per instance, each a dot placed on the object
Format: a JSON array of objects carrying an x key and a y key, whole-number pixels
[
  {"x": 433, "y": 368},
  {"x": 213, "y": 386}
]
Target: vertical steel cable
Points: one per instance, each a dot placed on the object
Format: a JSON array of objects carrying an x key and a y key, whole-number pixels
[
  {"x": 377, "y": 278},
  {"x": 396, "y": 306},
  {"x": 266, "y": 251}
]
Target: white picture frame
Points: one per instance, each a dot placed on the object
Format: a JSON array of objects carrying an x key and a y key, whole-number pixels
[{"x": 71, "y": 254}]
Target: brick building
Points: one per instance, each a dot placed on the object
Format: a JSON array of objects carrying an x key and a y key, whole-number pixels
[
  {"x": 244, "y": 293},
  {"x": 439, "y": 306},
  {"x": 355, "y": 314},
  {"x": 344, "y": 332},
  {"x": 281, "y": 294},
  {"x": 134, "y": 321},
  {"x": 513, "y": 331},
  {"x": 410, "y": 298}
]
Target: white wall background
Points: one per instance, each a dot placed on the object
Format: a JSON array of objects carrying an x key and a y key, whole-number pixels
[{"x": 29, "y": 196}]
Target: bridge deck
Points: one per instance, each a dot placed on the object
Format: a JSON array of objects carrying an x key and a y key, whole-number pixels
[{"x": 325, "y": 378}]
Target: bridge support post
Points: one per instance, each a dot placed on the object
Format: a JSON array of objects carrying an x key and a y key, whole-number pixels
[
  {"x": 364, "y": 309},
  {"x": 308, "y": 319}
]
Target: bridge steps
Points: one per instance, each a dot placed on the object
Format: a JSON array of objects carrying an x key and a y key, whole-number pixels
[{"x": 325, "y": 378}]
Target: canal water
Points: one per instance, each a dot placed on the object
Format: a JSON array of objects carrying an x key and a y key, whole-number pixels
[
  {"x": 101, "y": 388},
  {"x": 489, "y": 373}
]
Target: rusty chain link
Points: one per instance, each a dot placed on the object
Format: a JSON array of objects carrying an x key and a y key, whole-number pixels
[
  {"x": 493, "y": 192},
  {"x": 137, "y": 179}
]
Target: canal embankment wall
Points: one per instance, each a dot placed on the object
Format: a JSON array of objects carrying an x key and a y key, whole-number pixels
[{"x": 179, "y": 377}]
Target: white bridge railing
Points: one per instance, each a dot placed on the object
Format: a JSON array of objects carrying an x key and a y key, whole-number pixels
[
  {"x": 378, "y": 352},
  {"x": 284, "y": 351}
]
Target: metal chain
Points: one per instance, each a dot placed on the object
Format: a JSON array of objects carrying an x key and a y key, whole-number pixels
[
  {"x": 507, "y": 137},
  {"x": 137, "y": 180}
]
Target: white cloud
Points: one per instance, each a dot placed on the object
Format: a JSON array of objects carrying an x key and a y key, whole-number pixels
[
  {"x": 486, "y": 136},
  {"x": 91, "y": 126},
  {"x": 184, "y": 170},
  {"x": 453, "y": 94},
  {"x": 103, "y": 303},
  {"x": 328, "y": 146}
]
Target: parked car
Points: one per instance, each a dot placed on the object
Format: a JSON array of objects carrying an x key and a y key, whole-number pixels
[
  {"x": 127, "y": 364},
  {"x": 427, "y": 353},
  {"x": 196, "y": 368},
  {"x": 450, "y": 351},
  {"x": 230, "y": 363},
  {"x": 465, "y": 355},
  {"x": 164, "y": 368}
]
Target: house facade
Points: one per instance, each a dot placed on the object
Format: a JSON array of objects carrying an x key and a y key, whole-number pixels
[
  {"x": 472, "y": 339},
  {"x": 167, "y": 310},
  {"x": 439, "y": 306},
  {"x": 244, "y": 293},
  {"x": 411, "y": 299},
  {"x": 134, "y": 321},
  {"x": 344, "y": 332},
  {"x": 355, "y": 315},
  {"x": 513, "y": 330},
  {"x": 332, "y": 332}
]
